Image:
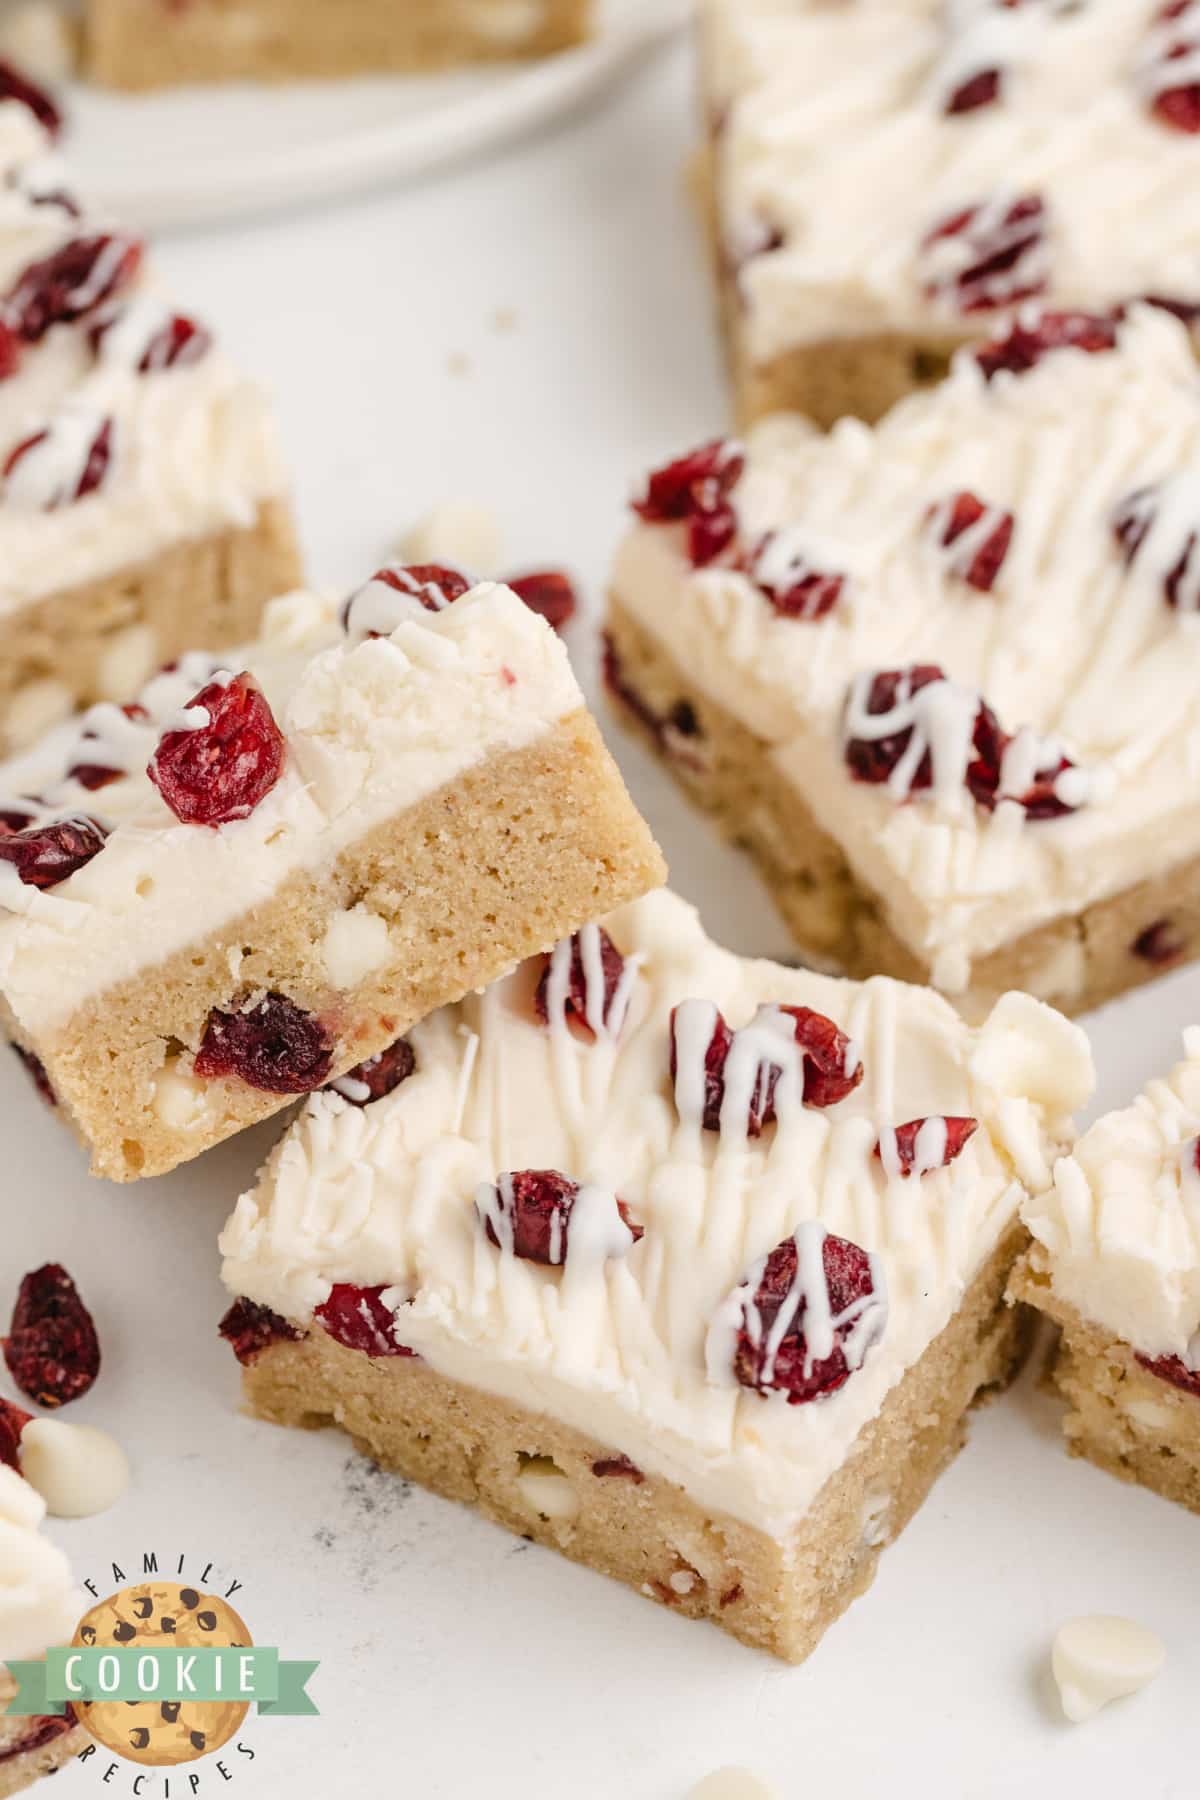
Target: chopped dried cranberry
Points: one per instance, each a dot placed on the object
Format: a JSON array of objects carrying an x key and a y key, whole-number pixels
[
  {"x": 1186, "y": 311},
  {"x": 549, "y": 593},
  {"x": 831, "y": 1066},
  {"x": 94, "y": 776},
  {"x": 52, "y": 1351},
  {"x": 1175, "y": 40},
  {"x": 13, "y": 1420},
  {"x": 44, "y": 855},
  {"x": 71, "y": 465},
  {"x": 249, "y": 1329},
  {"x": 987, "y": 256},
  {"x": 978, "y": 90},
  {"x": 529, "y": 1213},
  {"x": 780, "y": 568},
  {"x": 1160, "y": 943},
  {"x": 10, "y": 351},
  {"x": 11, "y": 819},
  {"x": 594, "y": 967},
  {"x": 41, "y": 1731},
  {"x": 15, "y": 85},
  {"x": 817, "y": 1279},
  {"x": 1174, "y": 1370},
  {"x": 358, "y": 1318},
  {"x": 695, "y": 489},
  {"x": 37, "y": 1074},
  {"x": 179, "y": 342},
  {"x": 619, "y": 1465},
  {"x": 943, "y": 1140},
  {"x": 874, "y": 759},
  {"x": 1133, "y": 521},
  {"x": 379, "y": 1075},
  {"x": 274, "y": 1046},
  {"x": 71, "y": 283},
  {"x": 1024, "y": 344},
  {"x": 988, "y": 532},
  {"x": 222, "y": 769},
  {"x": 434, "y": 585}
]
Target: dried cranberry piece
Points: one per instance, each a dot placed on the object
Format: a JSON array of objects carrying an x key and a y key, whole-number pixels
[
  {"x": 1133, "y": 520},
  {"x": 274, "y": 1046},
  {"x": 13, "y": 1421},
  {"x": 358, "y": 1318},
  {"x": 831, "y": 1066},
  {"x": 529, "y": 1212},
  {"x": 10, "y": 351},
  {"x": 44, "y": 855},
  {"x": 42, "y": 1731},
  {"x": 780, "y": 568},
  {"x": 1160, "y": 943},
  {"x": 71, "y": 462},
  {"x": 593, "y": 976},
  {"x": 15, "y": 85},
  {"x": 52, "y": 1351},
  {"x": 850, "y": 1318},
  {"x": 978, "y": 90},
  {"x": 988, "y": 531},
  {"x": 549, "y": 593},
  {"x": 12, "y": 820},
  {"x": 430, "y": 586},
  {"x": 621, "y": 1466},
  {"x": 695, "y": 489},
  {"x": 1024, "y": 344},
  {"x": 1175, "y": 39},
  {"x": 1174, "y": 1370},
  {"x": 36, "y": 1069},
  {"x": 914, "y": 1147},
  {"x": 224, "y": 768},
  {"x": 986, "y": 256},
  {"x": 378, "y": 1076},
  {"x": 874, "y": 759},
  {"x": 249, "y": 1329},
  {"x": 716, "y": 1055},
  {"x": 179, "y": 342},
  {"x": 1186, "y": 311},
  {"x": 94, "y": 776},
  {"x": 71, "y": 283}
]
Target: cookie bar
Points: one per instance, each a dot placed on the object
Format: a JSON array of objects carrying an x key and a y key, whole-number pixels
[
  {"x": 142, "y": 504},
  {"x": 274, "y": 861},
  {"x": 688, "y": 1266},
  {"x": 38, "y": 1607},
  {"x": 888, "y": 178},
  {"x": 155, "y": 43},
  {"x": 938, "y": 675},
  {"x": 1116, "y": 1264}
]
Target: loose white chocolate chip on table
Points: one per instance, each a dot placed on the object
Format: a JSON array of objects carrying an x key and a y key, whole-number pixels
[
  {"x": 1100, "y": 1658},
  {"x": 732, "y": 1784},
  {"x": 77, "y": 1469},
  {"x": 459, "y": 533}
]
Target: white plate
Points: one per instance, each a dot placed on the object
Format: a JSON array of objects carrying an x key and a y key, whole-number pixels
[{"x": 190, "y": 156}]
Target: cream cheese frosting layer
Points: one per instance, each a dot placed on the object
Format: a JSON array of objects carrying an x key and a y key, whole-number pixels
[
  {"x": 192, "y": 448},
  {"x": 371, "y": 727},
  {"x": 1121, "y": 1221},
  {"x": 1073, "y": 640},
  {"x": 633, "y": 1350},
  {"x": 835, "y": 136},
  {"x": 39, "y": 1605}
]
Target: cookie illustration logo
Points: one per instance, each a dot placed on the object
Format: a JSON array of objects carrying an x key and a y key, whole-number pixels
[{"x": 163, "y": 1616}]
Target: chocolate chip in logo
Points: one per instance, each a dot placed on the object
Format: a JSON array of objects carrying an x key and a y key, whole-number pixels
[
  {"x": 207, "y": 1621},
  {"x": 88, "y": 1634},
  {"x": 166, "y": 1625},
  {"x": 170, "y": 1711},
  {"x": 189, "y": 1597},
  {"x": 122, "y": 1632},
  {"x": 139, "y": 1738},
  {"x": 143, "y": 1607},
  {"x": 198, "y": 1739}
]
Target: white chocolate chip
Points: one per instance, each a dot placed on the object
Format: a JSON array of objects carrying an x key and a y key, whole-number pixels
[
  {"x": 126, "y": 663},
  {"x": 458, "y": 533},
  {"x": 77, "y": 1469},
  {"x": 1150, "y": 1413},
  {"x": 683, "y": 1581},
  {"x": 355, "y": 944},
  {"x": 38, "y": 38},
  {"x": 732, "y": 1784},
  {"x": 180, "y": 1101},
  {"x": 873, "y": 1521},
  {"x": 1101, "y": 1658},
  {"x": 546, "y": 1490},
  {"x": 37, "y": 706}
]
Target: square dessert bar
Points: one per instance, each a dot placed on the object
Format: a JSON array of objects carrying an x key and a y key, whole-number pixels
[
  {"x": 268, "y": 866},
  {"x": 685, "y": 1265},
  {"x": 939, "y": 676},
  {"x": 890, "y": 176},
  {"x": 142, "y": 504},
  {"x": 39, "y": 1607},
  {"x": 1116, "y": 1264},
  {"x": 154, "y": 43}
]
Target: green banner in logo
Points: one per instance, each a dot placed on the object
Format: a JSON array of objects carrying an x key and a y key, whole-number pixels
[{"x": 125, "y": 1672}]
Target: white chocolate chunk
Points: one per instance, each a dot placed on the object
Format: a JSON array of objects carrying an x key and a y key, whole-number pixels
[
  {"x": 354, "y": 946},
  {"x": 458, "y": 533},
  {"x": 1100, "y": 1658},
  {"x": 732, "y": 1784},
  {"x": 179, "y": 1099},
  {"x": 77, "y": 1469},
  {"x": 126, "y": 663},
  {"x": 546, "y": 1490}
]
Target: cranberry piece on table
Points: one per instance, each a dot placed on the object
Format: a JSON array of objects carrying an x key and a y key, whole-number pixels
[{"x": 52, "y": 1351}]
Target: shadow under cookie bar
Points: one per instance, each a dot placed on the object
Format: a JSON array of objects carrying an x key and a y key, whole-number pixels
[
  {"x": 491, "y": 868},
  {"x": 142, "y": 44},
  {"x": 599, "y": 1510},
  {"x": 1074, "y": 963},
  {"x": 31, "y": 1748},
  {"x": 1121, "y": 1416},
  {"x": 102, "y": 639}
]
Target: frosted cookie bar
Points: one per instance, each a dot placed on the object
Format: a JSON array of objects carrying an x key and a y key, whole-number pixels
[
  {"x": 270, "y": 864},
  {"x": 939, "y": 675},
  {"x": 155, "y": 43},
  {"x": 890, "y": 176},
  {"x": 1116, "y": 1263},
  {"x": 39, "y": 1607},
  {"x": 688, "y": 1266},
  {"x": 142, "y": 494}
]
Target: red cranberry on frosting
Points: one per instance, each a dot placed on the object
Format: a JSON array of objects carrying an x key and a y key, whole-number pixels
[
  {"x": 920, "y": 1146},
  {"x": 1169, "y": 67},
  {"x": 976, "y": 535},
  {"x": 989, "y": 255},
  {"x": 148, "y": 337},
  {"x": 583, "y": 981},
  {"x": 16, "y": 85},
  {"x": 1022, "y": 345},
  {"x": 44, "y": 855},
  {"x": 401, "y": 591},
  {"x": 695, "y": 491},
  {"x": 64, "y": 462},
  {"x": 709, "y": 1061},
  {"x": 359, "y": 1318},
  {"x": 225, "y": 756},
  {"x": 536, "y": 1215},
  {"x": 71, "y": 283},
  {"x": 1159, "y": 525},
  {"x": 379, "y": 1076},
  {"x": 787, "y": 568}
]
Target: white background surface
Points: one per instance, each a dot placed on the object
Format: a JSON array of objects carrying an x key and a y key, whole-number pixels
[{"x": 456, "y": 1661}]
